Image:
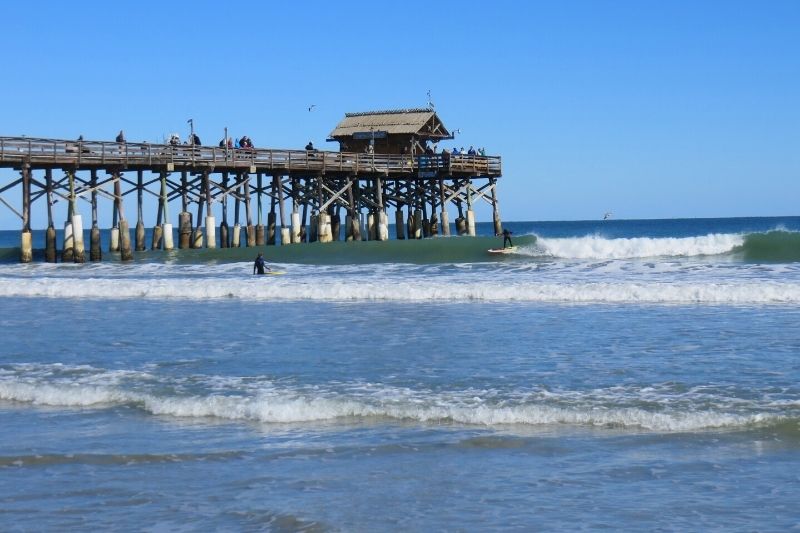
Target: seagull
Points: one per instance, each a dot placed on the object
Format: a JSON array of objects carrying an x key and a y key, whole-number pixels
[
  {"x": 607, "y": 215},
  {"x": 430, "y": 102},
  {"x": 312, "y": 106}
]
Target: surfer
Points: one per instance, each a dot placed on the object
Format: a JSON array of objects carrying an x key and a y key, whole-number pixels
[
  {"x": 260, "y": 264},
  {"x": 507, "y": 239}
]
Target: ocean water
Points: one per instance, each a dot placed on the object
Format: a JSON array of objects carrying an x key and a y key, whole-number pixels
[{"x": 634, "y": 375}]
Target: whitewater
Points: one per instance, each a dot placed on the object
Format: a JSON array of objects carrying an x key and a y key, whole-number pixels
[{"x": 586, "y": 269}]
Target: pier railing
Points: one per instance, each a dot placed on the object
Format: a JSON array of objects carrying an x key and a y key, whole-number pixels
[{"x": 98, "y": 154}]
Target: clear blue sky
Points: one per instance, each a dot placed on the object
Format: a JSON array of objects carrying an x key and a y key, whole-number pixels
[{"x": 647, "y": 109}]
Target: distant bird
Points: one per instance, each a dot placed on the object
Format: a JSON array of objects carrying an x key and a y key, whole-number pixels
[
  {"x": 608, "y": 215},
  {"x": 312, "y": 106},
  {"x": 458, "y": 131},
  {"x": 430, "y": 102}
]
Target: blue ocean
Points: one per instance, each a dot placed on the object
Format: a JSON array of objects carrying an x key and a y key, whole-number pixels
[{"x": 632, "y": 375}]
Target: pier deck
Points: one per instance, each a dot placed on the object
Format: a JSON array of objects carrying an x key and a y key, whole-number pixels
[{"x": 57, "y": 153}]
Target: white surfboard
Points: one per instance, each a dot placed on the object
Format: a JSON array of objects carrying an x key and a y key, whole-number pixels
[{"x": 509, "y": 250}]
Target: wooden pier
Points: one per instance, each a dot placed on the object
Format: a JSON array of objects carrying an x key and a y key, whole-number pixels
[{"x": 307, "y": 190}]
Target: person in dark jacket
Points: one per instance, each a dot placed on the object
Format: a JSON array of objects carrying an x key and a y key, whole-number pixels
[
  {"x": 507, "y": 238},
  {"x": 260, "y": 265}
]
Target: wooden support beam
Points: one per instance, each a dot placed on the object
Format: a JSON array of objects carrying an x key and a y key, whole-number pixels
[
  {"x": 140, "y": 244},
  {"x": 26, "y": 237},
  {"x": 95, "y": 247}
]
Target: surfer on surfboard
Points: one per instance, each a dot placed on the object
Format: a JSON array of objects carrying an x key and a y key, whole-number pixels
[
  {"x": 260, "y": 265},
  {"x": 508, "y": 246}
]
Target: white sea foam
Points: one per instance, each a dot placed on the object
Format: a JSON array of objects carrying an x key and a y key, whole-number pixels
[
  {"x": 595, "y": 247},
  {"x": 746, "y": 291},
  {"x": 301, "y": 406}
]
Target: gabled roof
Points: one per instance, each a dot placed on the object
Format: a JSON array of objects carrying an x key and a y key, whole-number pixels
[{"x": 422, "y": 121}]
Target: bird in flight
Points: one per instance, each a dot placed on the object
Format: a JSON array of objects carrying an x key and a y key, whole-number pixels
[
  {"x": 608, "y": 215},
  {"x": 312, "y": 106}
]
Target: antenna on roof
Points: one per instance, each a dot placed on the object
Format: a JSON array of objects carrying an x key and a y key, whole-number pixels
[{"x": 430, "y": 102}]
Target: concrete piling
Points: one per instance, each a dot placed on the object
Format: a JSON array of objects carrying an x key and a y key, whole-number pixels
[
  {"x": 95, "y": 250},
  {"x": 197, "y": 237},
  {"x": 166, "y": 229},
  {"x": 336, "y": 230},
  {"x": 372, "y": 230},
  {"x": 113, "y": 239},
  {"x": 140, "y": 234},
  {"x": 461, "y": 225},
  {"x": 26, "y": 246},
  {"x": 236, "y": 240},
  {"x": 184, "y": 230},
  {"x": 325, "y": 230},
  {"x": 399, "y": 224},
  {"x": 418, "y": 224},
  {"x": 356, "y": 227},
  {"x": 67, "y": 251},
  {"x": 158, "y": 238},
  {"x": 295, "y": 227},
  {"x": 348, "y": 228},
  {"x": 223, "y": 234},
  {"x": 50, "y": 245},
  {"x": 470, "y": 222},
  {"x": 211, "y": 232},
  {"x": 383, "y": 226},
  {"x": 125, "y": 241},
  {"x": 303, "y": 218},
  {"x": 314, "y": 222},
  {"x": 79, "y": 251},
  {"x": 270, "y": 233},
  {"x": 445, "y": 223}
]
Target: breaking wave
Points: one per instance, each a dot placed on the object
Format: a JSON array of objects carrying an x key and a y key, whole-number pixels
[
  {"x": 772, "y": 246},
  {"x": 642, "y": 408},
  {"x": 596, "y": 247},
  {"x": 289, "y": 288}
]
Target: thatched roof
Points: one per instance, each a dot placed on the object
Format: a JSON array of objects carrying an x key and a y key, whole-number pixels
[{"x": 423, "y": 122}]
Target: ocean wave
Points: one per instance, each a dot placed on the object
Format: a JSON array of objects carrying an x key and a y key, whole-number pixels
[
  {"x": 288, "y": 288},
  {"x": 597, "y": 247},
  {"x": 288, "y": 405}
]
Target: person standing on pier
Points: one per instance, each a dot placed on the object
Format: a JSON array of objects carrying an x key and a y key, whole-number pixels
[{"x": 260, "y": 265}]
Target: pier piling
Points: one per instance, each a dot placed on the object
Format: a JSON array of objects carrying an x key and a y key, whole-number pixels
[
  {"x": 95, "y": 250},
  {"x": 140, "y": 245},
  {"x": 50, "y": 253},
  {"x": 26, "y": 237}
]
